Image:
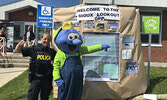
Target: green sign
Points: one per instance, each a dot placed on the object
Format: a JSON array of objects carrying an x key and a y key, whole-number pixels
[{"x": 150, "y": 24}]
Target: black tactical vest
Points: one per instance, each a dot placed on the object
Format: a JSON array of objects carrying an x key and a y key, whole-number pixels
[{"x": 41, "y": 61}]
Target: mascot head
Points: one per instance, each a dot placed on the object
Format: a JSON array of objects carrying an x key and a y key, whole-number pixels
[{"x": 67, "y": 39}]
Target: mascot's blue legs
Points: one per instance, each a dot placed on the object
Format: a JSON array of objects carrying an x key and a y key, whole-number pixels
[{"x": 72, "y": 74}]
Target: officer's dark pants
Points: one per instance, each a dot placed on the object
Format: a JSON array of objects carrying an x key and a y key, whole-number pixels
[
  {"x": 72, "y": 74},
  {"x": 43, "y": 85}
]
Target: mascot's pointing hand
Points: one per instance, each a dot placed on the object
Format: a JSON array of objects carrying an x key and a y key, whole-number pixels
[{"x": 105, "y": 46}]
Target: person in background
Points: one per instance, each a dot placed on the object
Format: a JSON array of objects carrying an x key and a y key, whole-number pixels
[
  {"x": 29, "y": 36},
  {"x": 40, "y": 69},
  {"x": 3, "y": 33}
]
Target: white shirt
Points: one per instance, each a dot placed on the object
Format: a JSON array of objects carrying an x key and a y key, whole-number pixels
[{"x": 28, "y": 36}]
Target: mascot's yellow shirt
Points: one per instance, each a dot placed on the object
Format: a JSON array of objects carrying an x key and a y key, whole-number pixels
[{"x": 60, "y": 58}]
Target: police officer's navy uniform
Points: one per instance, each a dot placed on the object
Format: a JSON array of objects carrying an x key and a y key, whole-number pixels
[{"x": 40, "y": 71}]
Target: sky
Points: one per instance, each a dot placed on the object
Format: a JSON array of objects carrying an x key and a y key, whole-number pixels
[
  {"x": 56, "y": 3},
  {"x": 6, "y": 1},
  {"x": 60, "y": 3}
]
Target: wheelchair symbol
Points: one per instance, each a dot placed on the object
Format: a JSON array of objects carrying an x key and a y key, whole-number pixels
[{"x": 46, "y": 11}]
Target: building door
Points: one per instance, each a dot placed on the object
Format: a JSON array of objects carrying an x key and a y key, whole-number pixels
[
  {"x": 20, "y": 28},
  {"x": 33, "y": 25}
]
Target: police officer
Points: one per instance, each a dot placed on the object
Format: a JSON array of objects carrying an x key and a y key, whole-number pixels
[{"x": 40, "y": 71}]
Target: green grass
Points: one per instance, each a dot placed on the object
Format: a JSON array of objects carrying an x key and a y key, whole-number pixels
[
  {"x": 158, "y": 81},
  {"x": 17, "y": 88}
]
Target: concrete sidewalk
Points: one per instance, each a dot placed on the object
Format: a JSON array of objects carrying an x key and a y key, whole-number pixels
[{"x": 7, "y": 74}]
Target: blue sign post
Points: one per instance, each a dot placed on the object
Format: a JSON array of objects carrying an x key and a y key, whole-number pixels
[{"x": 44, "y": 16}]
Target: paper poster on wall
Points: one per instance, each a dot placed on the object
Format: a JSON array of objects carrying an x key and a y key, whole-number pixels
[
  {"x": 100, "y": 26},
  {"x": 126, "y": 54},
  {"x": 75, "y": 22},
  {"x": 89, "y": 26},
  {"x": 131, "y": 67},
  {"x": 112, "y": 26},
  {"x": 128, "y": 42},
  {"x": 102, "y": 65},
  {"x": 104, "y": 69}
]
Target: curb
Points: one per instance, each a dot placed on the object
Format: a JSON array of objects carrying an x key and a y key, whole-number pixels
[{"x": 141, "y": 97}]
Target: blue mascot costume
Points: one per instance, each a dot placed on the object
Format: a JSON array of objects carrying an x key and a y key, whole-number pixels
[{"x": 68, "y": 69}]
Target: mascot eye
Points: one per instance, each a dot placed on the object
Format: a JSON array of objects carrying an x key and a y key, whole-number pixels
[
  {"x": 73, "y": 36},
  {"x": 76, "y": 36}
]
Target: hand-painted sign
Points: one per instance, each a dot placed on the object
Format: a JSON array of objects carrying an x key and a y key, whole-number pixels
[{"x": 97, "y": 13}]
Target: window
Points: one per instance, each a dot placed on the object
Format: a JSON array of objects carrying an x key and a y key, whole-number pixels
[
  {"x": 41, "y": 31},
  {"x": 156, "y": 37}
]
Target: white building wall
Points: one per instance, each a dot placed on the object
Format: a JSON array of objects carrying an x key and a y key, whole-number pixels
[
  {"x": 151, "y": 3},
  {"x": 16, "y": 5},
  {"x": 148, "y": 3},
  {"x": 97, "y": 1}
]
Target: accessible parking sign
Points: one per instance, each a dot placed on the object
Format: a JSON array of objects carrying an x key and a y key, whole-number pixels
[{"x": 44, "y": 16}]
